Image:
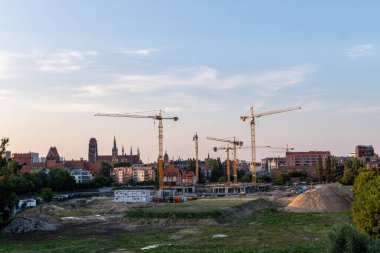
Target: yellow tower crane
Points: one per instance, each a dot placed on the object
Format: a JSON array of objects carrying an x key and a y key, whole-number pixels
[
  {"x": 195, "y": 138},
  {"x": 252, "y": 118},
  {"x": 235, "y": 143},
  {"x": 158, "y": 117},
  {"x": 227, "y": 149}
]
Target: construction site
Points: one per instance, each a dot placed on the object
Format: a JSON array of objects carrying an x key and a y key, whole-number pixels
[{"x": 224, "y": 217}]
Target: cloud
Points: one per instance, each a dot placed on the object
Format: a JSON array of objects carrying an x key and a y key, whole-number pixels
[
  {"x": 201, "y": 77},
  {"x": 139, "y": 52},
  {"x": 65, "y": 61},
  {"x": 76, "y": 107},
  {"x": 4, "y": 93},
  {"x": 360, "y": 51},
  {"x": 11, "y": 63}
]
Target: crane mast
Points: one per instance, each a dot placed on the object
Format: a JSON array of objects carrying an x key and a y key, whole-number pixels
[
  {"x": 252, "y": 118},
  {"x": 234, "y": 143},
  {"x": 160, "y": 137},
  {"x": 195, "y": 138}
]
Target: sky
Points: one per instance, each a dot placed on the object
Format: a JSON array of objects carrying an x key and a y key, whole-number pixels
[{"x": 204, "y": 61}]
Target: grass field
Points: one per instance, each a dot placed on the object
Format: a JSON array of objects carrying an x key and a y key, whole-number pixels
[
  {"x": 264, "y": 231},
  {"x": 197, "y": 209}
]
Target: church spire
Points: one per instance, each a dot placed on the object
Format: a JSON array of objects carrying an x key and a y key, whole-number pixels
[
  {"x": 114, "y": 149},
  {"x": 131, "y": 150},
  {"x": 122, "y": 150},
  {"x": 138, "y": 151}
]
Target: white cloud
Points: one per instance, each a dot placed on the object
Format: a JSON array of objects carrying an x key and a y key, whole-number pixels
[
  {"x": 139, "y": 52},
  {"x": 359, "y": 51},
  {"x": 4, "y": 93},
  {"x": 11, "y": 63},
  {"x": 65, "y": 61},
  {"x": 76, "y": 107},
  {"x": 201, "y": 77}
]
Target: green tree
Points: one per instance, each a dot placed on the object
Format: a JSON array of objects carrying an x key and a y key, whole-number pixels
[
  {"x": 8, "y": 171},
  {"x": 344, "y": 238},
  {"x": 47, "y": 194},
  {"x": 366, "y": 208},
  {"x": 328, "y": 169},
  {"x": 222, "y": 179},
  {"x": 247, "y": 178},
  {"x": 319, "y": 170},
  {"x": 61, "y": 180},
  {"x": 191, "y": 164},
  {"x": 105, "y": 170},
  {"x": 282, "y": 179},
  {"x": 333, "y": 169}
]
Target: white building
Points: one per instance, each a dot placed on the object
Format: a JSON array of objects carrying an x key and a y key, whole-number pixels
[
  {"x": 133, "y": 196},
  {"x": 81, "y": 176}
]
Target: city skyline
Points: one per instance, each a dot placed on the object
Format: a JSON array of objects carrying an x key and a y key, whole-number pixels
[{"x": 205, "y": 62}]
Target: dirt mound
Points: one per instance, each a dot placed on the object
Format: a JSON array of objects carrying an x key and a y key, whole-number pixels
[
  {"x": 326, "y": 198},
  {"x": 26, "y": 225}
]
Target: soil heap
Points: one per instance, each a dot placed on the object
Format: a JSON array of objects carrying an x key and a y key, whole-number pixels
[
  {"x": 25, "y": 225},
  {"x": 326, "y": 198}
]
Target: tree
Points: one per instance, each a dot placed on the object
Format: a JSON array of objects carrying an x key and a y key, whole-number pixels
[
  {"x": 328, "y": 169},
  {"x": 282, "y": 179},
  {"x": 333, "y": 169},
  {"x": 60, "y": 180},
  {"x": 366, "y": 208},
  {"x": 105, "y": 170},
  {"x": 345, "y": 238},
  {"x": 8, "y": 171},
  {"x": 191, "y": 164},
  {"x": 47, "y": 194},
  {"x": 247, "y": 178},
  {"x": 319, "y": 170},
  {"x": 222, "y": 179}
]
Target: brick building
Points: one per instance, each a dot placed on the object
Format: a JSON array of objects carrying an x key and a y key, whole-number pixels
[
  {"x": 25, "y": 160},
  {"x": 364, "y": 151},
  {"x": 305, "y": 159}
]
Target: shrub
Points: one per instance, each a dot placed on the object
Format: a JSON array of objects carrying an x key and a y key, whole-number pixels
[
  {"x": 344, "y": 238},
  {"x": 46, "y": 194},
  {"x": 366, "y": 208}
]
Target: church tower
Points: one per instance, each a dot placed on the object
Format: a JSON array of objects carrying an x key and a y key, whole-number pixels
[
  {"x": 114, "y": 150},
  {"x": 92, "y": 150}
]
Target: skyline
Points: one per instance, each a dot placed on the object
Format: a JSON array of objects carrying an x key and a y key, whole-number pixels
[{"x": 205, "y": 62}]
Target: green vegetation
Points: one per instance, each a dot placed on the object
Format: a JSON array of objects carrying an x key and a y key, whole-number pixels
[
  {"x": 47, "y": 194},
  {"x": 345, "y": 238},
  {"x": 366, "y": 208},
  {"x": 266, "y": 231},
  {"x": 197, "y": 209}
]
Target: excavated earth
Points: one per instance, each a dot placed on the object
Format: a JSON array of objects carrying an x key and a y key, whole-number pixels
[{"x": 326, "y": 198}]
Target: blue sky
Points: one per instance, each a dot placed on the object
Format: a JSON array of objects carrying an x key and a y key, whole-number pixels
[{"x": 203, "y": 61}]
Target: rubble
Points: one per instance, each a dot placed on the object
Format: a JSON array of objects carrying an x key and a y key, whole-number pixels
[{"x": 25, "y": 225}]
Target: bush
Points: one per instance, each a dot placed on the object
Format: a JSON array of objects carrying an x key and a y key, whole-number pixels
[
  {"x": 46, "y": 194},
  {"x": 366, "y": 208},
  {"x": 344, "y": 238}
]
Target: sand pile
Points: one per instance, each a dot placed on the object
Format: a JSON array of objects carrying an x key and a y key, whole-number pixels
[{"x": 327, "y": 198}]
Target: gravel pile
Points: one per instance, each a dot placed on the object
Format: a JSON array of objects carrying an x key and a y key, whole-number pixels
[
  {"x": 25, "y": 225},
  {"x": 328, "y": 198}
]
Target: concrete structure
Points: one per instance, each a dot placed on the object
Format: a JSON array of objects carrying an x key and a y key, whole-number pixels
[
  {"x": 80, "y": 175},
  {"x": 304, "y": 159},
  {"x": 133, "y": 196},
  {"x": 364, "y": 151},
  {"x": 122, "y": 175}
]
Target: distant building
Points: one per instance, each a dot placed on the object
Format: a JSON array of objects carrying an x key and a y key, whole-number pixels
[
  {"x": 172, "y": 176},
  {"x": 188, "y": 178},
  {"x": 364, "y": 151},
  {"x": 53, "y": 160},
  {"x": 166, "y": 158},
  {"x": 80, "y": 175},
  {"x": 92, "y": 150},
  {"x": 115, "y": 157},
  {"x": 35, "y": 157},
  {"x": 25, "y": 160},
  {"x": 122, "y": 174},
  {"x": 305, "y": 159}
]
